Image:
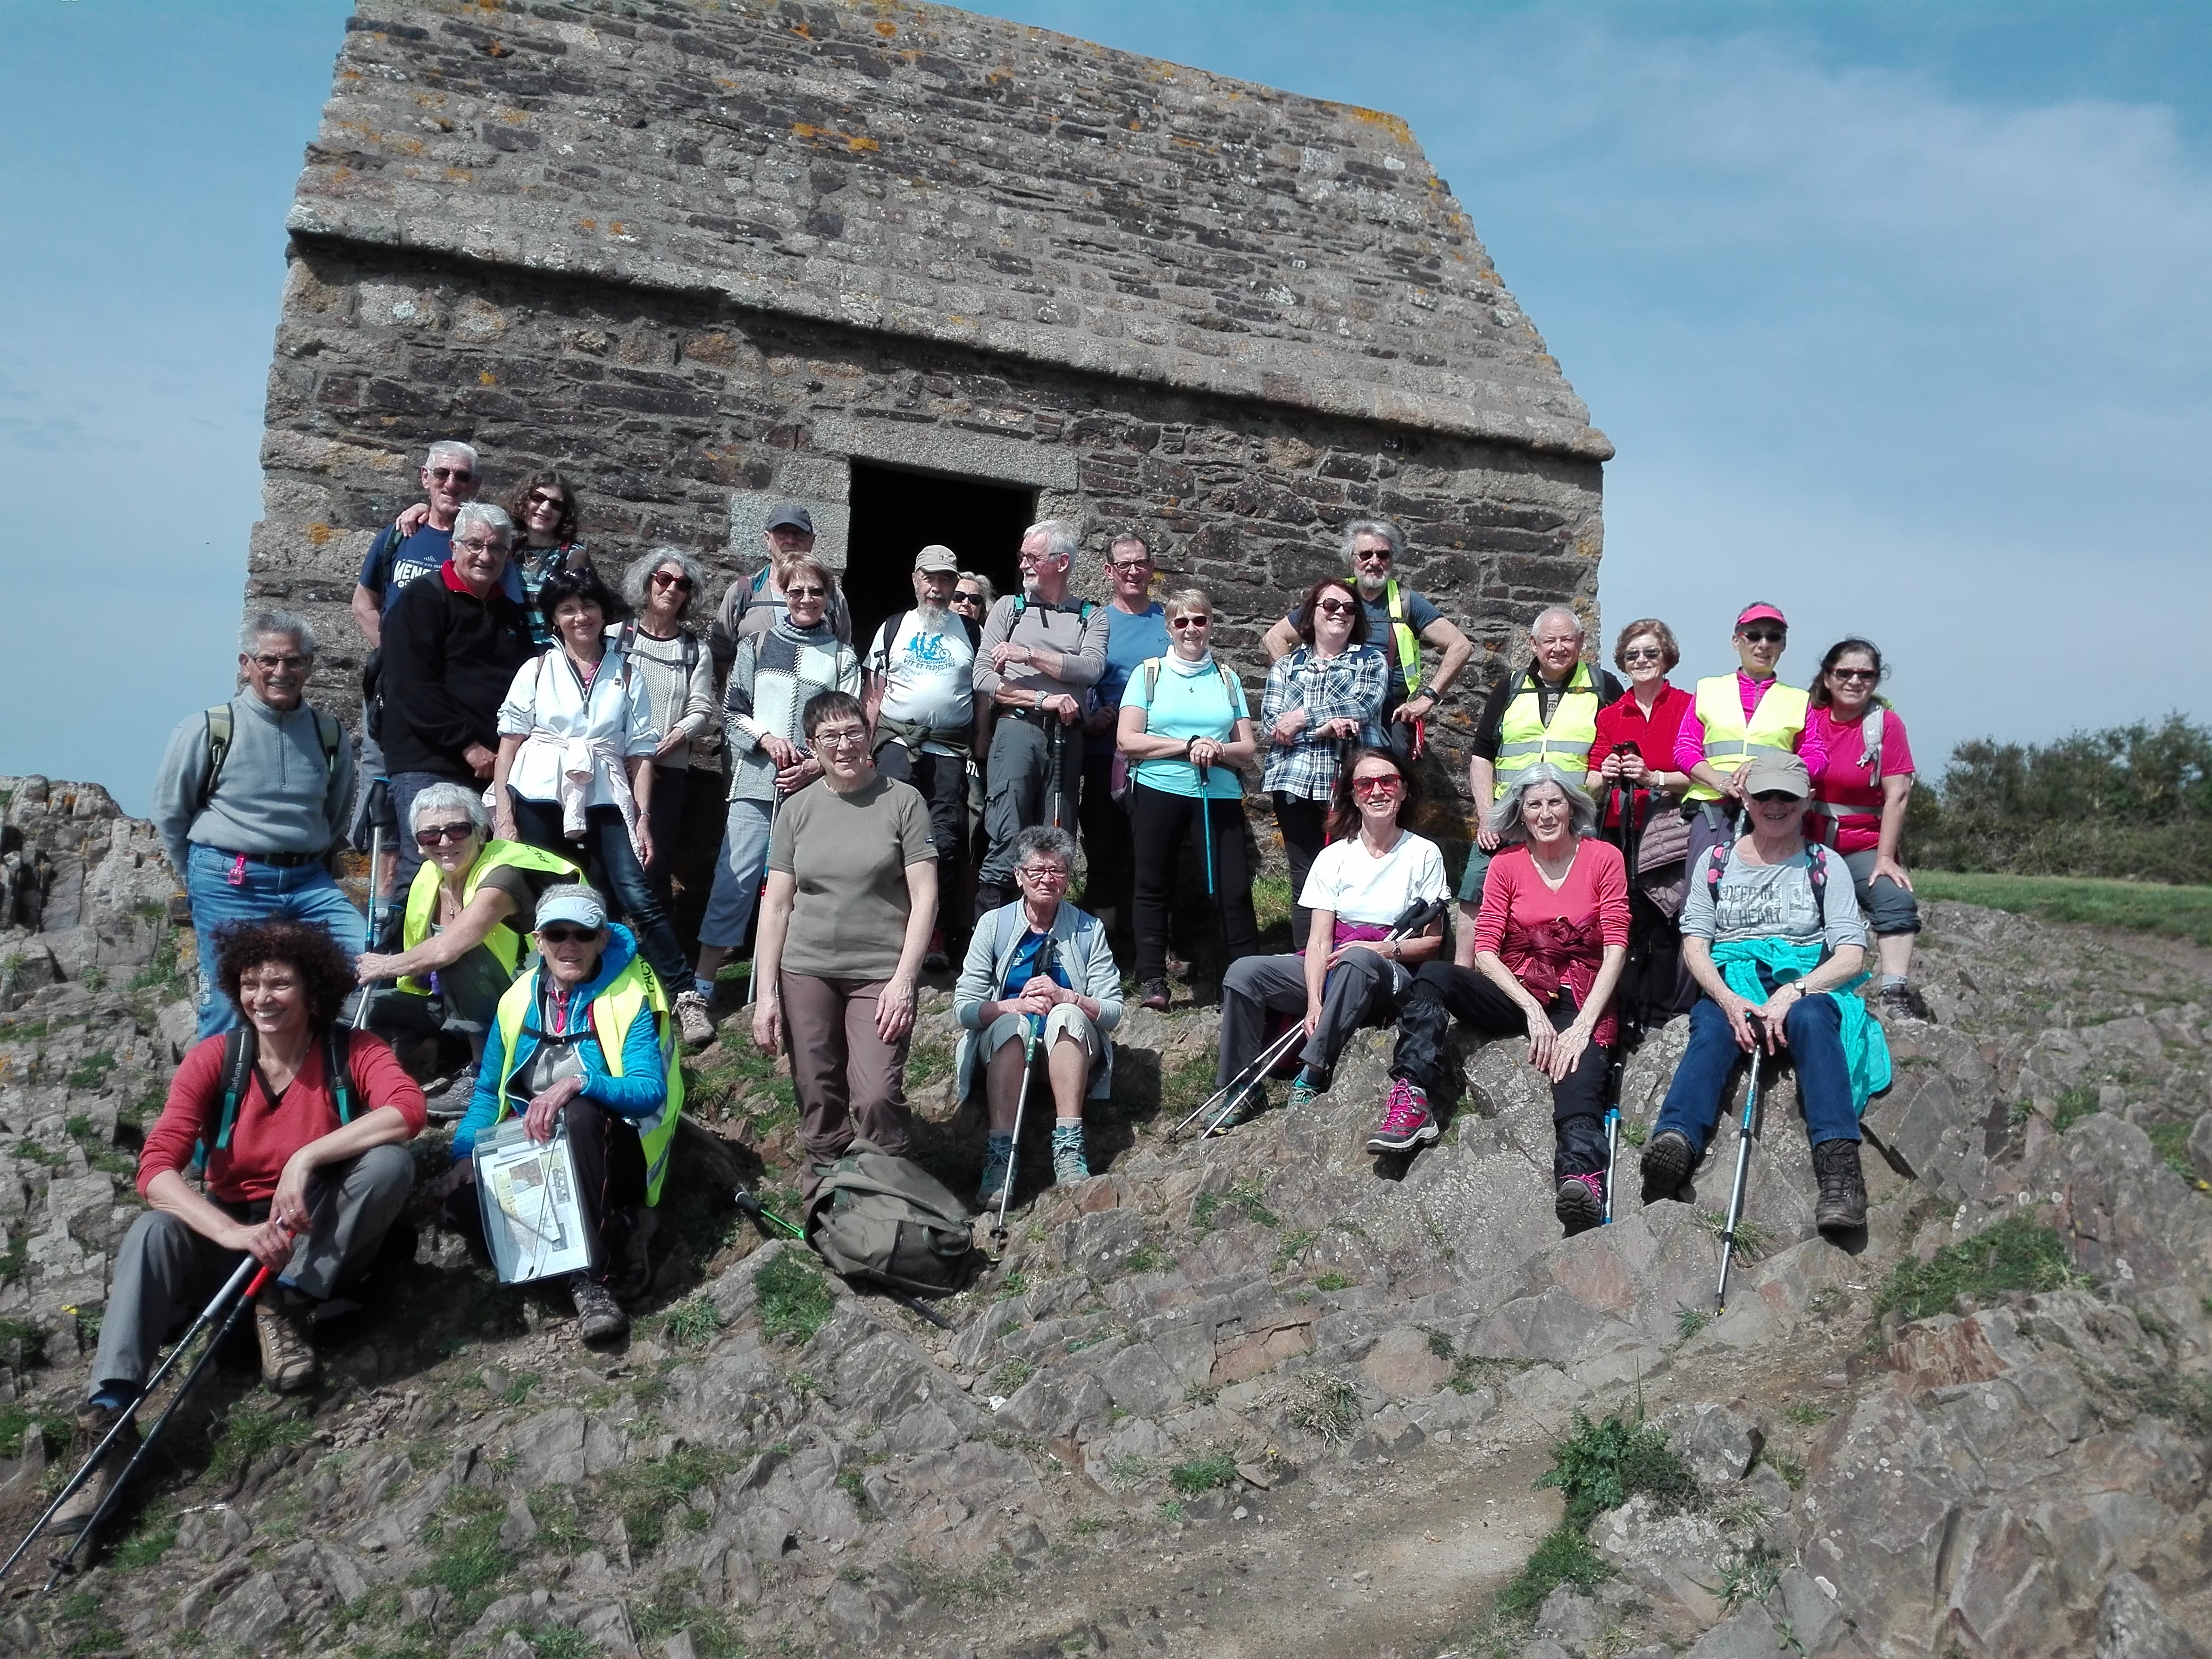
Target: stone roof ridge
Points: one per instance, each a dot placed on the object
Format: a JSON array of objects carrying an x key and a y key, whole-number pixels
[{"x": 940, "y": 175}]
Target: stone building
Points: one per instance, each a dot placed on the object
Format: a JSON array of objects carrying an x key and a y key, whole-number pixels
[{"x": 936, "y": 275}]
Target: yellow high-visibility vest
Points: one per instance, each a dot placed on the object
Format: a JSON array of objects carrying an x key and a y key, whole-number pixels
[
  {"x": 505, "y": 941},
  {"x": 1523, "y": 737},
  {"x": 1730, "y": 740}
]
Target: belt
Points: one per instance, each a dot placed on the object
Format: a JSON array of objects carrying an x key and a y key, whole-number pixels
[{"x": 274, "y": 861}]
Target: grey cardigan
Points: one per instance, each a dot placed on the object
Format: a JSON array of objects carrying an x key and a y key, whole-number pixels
[{"x": 1081, "y": 941}]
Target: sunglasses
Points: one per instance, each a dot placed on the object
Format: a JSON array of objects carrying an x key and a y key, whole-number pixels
[
  {"x": 1646, "y": 653},
  {"x": 451, "y": 474},
  {"x": 1777, "y": 795},
  {"x": 672, "y": 578},
  {"x": 272, "y": 664},
  {"x": 431, "y": 835},
  {"x": 1764, "y": 635},
  {"x": 1190, "y": 622},
  {"x": 541, "y": 499},
  {"x": 1833, "y": 673},
  {"x": 1335, "y": 607},
  {"x": 809, "y": 592},
  {"x": 1376, "y": 785},
  {"x": 559, "y": 935}
]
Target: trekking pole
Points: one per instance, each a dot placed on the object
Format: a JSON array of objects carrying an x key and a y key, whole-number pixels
[
  {"x": 769, "y": 1222},
  {"x": 1745, "y": 1132},
  {"x": 1205, "y": 831},
  {"x": 129, "y": 1413},
  {"x": 114, "y": 1493},
  {"x": 1030, "y": 1037},
  {"x": 1264, "y": 1064},
  {"x": 775, "y": 807},
  {"x": 1051, "y": 746},
  {"x": 356, "y": 1012}
]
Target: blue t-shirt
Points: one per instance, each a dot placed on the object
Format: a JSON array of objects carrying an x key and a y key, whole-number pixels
[
  {"x": 1180, "y": 705},
  {"x": 391, "y": 564},
  {"x": 1023, "y": 968},
  {"x": 1129, "y": 641}
]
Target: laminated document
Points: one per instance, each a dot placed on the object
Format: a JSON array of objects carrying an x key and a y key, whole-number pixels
[{"x": 533, "y": 1219}]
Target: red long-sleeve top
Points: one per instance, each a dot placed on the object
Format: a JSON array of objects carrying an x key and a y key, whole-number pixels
[
  {"x": 1557, "y": 940},
  {"x": 268, "y": 1131}
]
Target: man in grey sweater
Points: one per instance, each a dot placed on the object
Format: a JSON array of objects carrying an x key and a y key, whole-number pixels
[
  {"x": 1037, "y": 656},
  {"x": 251, "y": 796}
]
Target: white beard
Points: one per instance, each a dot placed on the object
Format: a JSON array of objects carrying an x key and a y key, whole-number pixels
[
  {"x": 932, "y": 615},
  {"x": 1372, "y": 589}
]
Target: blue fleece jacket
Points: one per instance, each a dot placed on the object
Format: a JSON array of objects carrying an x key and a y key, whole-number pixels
[{"x": 638, "y": 1092}]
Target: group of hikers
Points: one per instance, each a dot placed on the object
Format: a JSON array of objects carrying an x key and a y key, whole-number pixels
[{"x": 532, "y": 725}]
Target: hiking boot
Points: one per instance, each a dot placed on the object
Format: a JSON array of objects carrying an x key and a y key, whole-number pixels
[
  {"x": 600, "y": 1317},
  {"x": 1306, "y": 1089},
  {"x": 1901, "y": 1001},
  {"x": 998, "y": 1163},
  {"x": 92, "y": 1423},
  {"x": 1406, "y": 1120},
  {"x": 1667, "y": 1160},
  {"x": 1153, "y": 993},
  {"x": 1843, "y": 1205},
  {"x": 451, "y": 1103},
  {"x": 1249, "y": 1106},
  {"x": 694, "y": 1019},
  {"x": 286, "y": 1328},
  {"x": 1580, "y": 1204},
  {"x": 1068, "y": 1161}
]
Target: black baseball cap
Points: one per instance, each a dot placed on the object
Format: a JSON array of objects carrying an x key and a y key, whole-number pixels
[{"x": 790, "y": 515}]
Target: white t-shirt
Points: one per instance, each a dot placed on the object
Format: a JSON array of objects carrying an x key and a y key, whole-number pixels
[
  {"x": 1357, "y": 887},
  {"x": 930, "y": 671}
]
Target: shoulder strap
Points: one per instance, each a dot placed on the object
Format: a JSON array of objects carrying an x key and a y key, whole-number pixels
[
  {"x": 1084, "y": 611},
  {"x": 1816, "y": 871},
  {"x": 1151, "y": 680},
  {"x": 1021, "y": 603},
  {"x": 1716, "y": 861},
  {"x": 240, "y": 1049},
  {"x": 690, "y": 651},
  {"x": 338, "y": 1069},
  {"x": 330, "y": 734},
  {"x": 218, "y": 746},
  {"x": 1229, "y": 684},
  {"x": 1396, "y": 601}
]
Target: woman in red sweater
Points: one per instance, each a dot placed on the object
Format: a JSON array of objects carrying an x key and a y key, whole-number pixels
[
  {"x": 1634, "y": 752},
  {"x": 1549, "y": 943},
  {"x": 305, "y": 1177}
]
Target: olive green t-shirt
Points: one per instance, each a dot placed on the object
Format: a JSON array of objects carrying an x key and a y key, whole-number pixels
[{"x": 847, "y": 855}]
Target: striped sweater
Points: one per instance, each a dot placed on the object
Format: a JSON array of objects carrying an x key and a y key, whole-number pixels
[{"x": 773, "y": 675}]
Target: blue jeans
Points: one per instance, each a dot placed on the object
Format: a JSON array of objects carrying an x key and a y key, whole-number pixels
[
  {"x": 1824, "y": 1080},
  {"x": 302, "y": 893},
  {"x": 607, "y": 855},
  {"x": 738, "y": 873}
]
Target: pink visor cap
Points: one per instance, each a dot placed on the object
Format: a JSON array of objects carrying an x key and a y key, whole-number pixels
[{"x": 1752, "y": 613}]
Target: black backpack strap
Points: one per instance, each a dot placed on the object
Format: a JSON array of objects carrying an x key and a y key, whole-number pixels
[
  {"x": 331, "y": 736},
  {"x": 338, "y": 1070},
  {"x": 240, "y": 1052},
  {"x": 219, "y": 732}
]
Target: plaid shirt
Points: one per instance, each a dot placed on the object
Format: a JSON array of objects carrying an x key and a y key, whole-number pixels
[{"x": 1350, "y": 684}]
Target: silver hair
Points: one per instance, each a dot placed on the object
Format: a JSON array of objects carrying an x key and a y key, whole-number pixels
[
  {"x": 990, "y": 594},
  {"x": 483, "y": 513},
  {"x": 1504, "y": 819},
  {"x": 448, "y": 798},
  {"x": 1061, "y": 538},
  {"x": 1124, "y": 539},
  {"x": 1551, "y": 611},
  {"x": 634, "y": 579},
  {"x": 1382, "y": 528},
  {"x": 450, "y": 446},
  {"x": 275, "y": 622},
  {"x": 1048, "y": 839}
]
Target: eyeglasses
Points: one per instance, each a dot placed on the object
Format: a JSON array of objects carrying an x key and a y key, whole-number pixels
[
  {"x": 1777, "y": 795},
  {"x": 1376, "y": 785},
  {"x": 558, "y": 935},
  {"x": 1045, "y": 872},
  {"x": 808, "y": 592},
  {"x": 1643, "y": 653},
  {"x": 482, "y": 545},
  {"x": 1123, "y": 567},
  {"x": 431, "y": 834},
  {"x": 1335, "y": 607},
  {"x": 538, "y": 498},
  {"x": 291, "y": 661},
  {"x": 837, "y": 735},
  {"x": 1763, "y": 635},
  {"x": 1833, "y": 673},
  {"x": 1190, "y": 622},
  {"x": 1372, "y": 556},
  {"x": 451, "y": 474},
  {"x": 671, "y": 578}
]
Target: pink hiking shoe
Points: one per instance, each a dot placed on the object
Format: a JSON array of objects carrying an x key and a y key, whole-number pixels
[
  {"x": 1580, "y": 1205},
  {"x": 1406, "y": 1120}
]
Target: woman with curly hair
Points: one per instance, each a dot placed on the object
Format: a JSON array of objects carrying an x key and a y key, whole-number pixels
[
  {"x": 543, "y": 508},
  {"x": 305, "y": 1125}
]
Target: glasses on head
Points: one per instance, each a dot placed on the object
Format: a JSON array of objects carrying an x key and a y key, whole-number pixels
[
  {"x": 671, "y": 578},
  {"x": 1767, "y": 796},
  {"x": 1335, "y": 607},
  {"x": 290, "y": 660},
  {"x": 1764, "y": 635},
  {"x": 1643, "y": 653},
  {"x": 557, "y": 934},
  {"x": 1044, "y": 872},
  {"x": 836, "y": 737},
  {"x": 1833, "y": 673},
  {"x": 806, "y": 591},
  {"x": 1199, "y": 621},
  {"x": 451, "y": 474},
  {"x": 538, "y": 498},
  {"x": 431, "y": 834},
  {"x": 1377, "y": 784},
  {"x": 481, "y": 544}
]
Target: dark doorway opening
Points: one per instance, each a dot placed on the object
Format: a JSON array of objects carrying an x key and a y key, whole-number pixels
[{"x": 897, "y": 514}]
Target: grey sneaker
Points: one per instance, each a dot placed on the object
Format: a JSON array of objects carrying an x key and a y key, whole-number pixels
[
  {"x": 1902, "y": 1002},
  {"x": 451, "y": 1104},
  {"x": 1254, "y": 1103},
  {"x": 1068, "y": 1161},
  {"x": 92, "y": 1423},
  {"x": 998, "y": 1163},
  {"x": 600, "y": 1317},
  {"x": 694, "y": 1019},
  {"x": 1304, "y": 1091}
]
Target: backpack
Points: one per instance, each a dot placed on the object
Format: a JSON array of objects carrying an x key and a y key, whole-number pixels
[
  {"x": 1816, "y": 871},
  {"x": 242, "y": 1053},
  {"x": 328, "y": 733},
  {"x": 1230, "y": 686},
  {"x": 1084, "y": 610},
  {"x": 885, "y": 1218}
]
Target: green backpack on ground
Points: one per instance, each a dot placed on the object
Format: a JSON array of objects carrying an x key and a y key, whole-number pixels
[{"x": 885, "y": 1218}]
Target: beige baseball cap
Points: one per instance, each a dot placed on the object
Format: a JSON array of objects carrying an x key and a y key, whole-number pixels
[{"x": 937, "y": 556}]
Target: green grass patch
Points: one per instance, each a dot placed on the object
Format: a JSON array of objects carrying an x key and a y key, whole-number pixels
[
  {"x": 691, "y": 1322},
  {"x": 2170, "y": 1142},
  {"x": 1689, "y": 1319},
  {"x": 467, "y": 1560},
  {"x": 1330, "y": 1279},
  {"x": 560, "y": 1523},
  {"x": 1247, "y": 1199},
  {"x": 712, "y": 1634},
  {"x": 649, "y": 1493},
  {"x": 1751, "y": 1240},
  {"x": 794, "y": 1302},
  {"x": 1807, "y": 1415},
  {"x": 1271, "y": 903},
  {"x": 90, "y": 1073},
  {"x": 2147, "y": 906},
  {"x": 147, "y": 1543},
  {"x": 2016, "y": 1254},
  {"x": 2073, "y": 1106},
  {"x": 1601, "y": 1465},
  {"x": 1203, "y": 1474},
  {"x": 16, "y": 1419},
  {"x": 1183, "y": 1089},
  {"x": 1292, "y": 1247},
  {"x": 249, "y": 1433},
  {"x": 1566, "y": 1557},
  {"x": 559, "y": 1642},
  {"x": 929, "y": 1060},
  {"x": 1147, "y": 1258},
  {"x": 13, "y": 1259}
]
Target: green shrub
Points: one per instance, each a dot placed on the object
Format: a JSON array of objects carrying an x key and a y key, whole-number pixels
[
  {"x": 2016, "y": 1254},
  {"x": 1203, "y": 1474},
  {"x": 1564, "y": 1557},
  {"x": 1601, "y": 1465}
]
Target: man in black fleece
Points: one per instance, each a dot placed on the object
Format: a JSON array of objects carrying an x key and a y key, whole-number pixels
[{"x": 452, "y": 641}]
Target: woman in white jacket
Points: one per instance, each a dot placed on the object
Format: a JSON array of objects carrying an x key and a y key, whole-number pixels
[{"x": 574, "y": 774}]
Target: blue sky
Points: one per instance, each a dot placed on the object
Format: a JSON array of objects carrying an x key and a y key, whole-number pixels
[{"x": 1895, "y": 312}]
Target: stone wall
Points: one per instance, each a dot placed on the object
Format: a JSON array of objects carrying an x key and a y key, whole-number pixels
[{"x": 681, "y": 417}]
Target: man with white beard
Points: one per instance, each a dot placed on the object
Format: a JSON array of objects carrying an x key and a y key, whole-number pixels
[
  {"x": 1400, "y": 622},
  {"x": 924, "y": 724}
]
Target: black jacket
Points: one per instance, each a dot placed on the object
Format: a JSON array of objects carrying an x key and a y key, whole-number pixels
[{"x": 448, "y": 658}]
